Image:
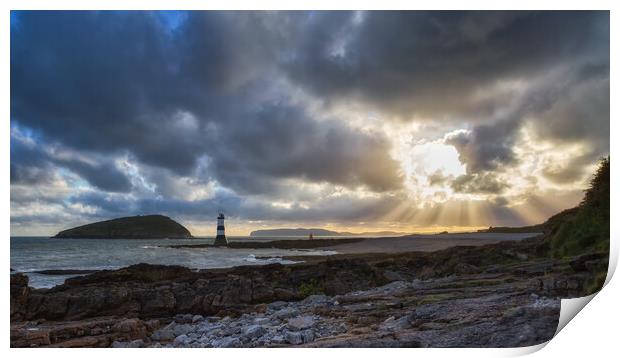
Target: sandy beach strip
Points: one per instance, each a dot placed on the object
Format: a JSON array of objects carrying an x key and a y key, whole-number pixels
[{"x": 424, "y": 243}]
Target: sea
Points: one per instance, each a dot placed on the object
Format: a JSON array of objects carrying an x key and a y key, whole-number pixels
[{"x": 29, "y": 254}]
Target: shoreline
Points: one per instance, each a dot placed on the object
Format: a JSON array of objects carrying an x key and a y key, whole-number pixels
[
  {"x": 341, "y": 300},
  {"x": 334, "y": 247},
  {"x": 273, "y": 244}
]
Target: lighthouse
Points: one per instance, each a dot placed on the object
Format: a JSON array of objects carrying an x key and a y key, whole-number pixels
[{"x": 220, "y": 239}]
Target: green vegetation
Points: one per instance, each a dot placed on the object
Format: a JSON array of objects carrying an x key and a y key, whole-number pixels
[
  {"x": 585, "y": 228},
  {"x": 312, "y": 287}
]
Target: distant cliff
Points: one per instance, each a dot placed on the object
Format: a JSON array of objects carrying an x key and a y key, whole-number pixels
[
  {"x": 318, "y": 232},
  {"x": 133, "y": 227}
]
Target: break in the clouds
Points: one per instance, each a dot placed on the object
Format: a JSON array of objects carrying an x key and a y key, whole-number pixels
[{"x": 348, "y": 119}]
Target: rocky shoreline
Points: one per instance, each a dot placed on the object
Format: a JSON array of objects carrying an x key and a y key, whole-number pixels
[{"x": 499, "y": 295}]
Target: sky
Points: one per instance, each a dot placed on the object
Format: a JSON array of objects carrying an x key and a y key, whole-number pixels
[{"x": 355, "y": 121}]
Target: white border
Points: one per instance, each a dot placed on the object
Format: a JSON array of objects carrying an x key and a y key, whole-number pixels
[{"x": 593, "y": 330}]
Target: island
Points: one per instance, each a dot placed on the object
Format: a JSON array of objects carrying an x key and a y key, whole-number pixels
[{"x": 132, "y": 227}]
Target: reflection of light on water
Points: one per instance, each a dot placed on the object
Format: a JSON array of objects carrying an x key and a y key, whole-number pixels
[{"x": 252, "y": 258}]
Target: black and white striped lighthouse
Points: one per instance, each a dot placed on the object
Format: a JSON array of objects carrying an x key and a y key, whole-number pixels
[{"x": 220, "y": 239}]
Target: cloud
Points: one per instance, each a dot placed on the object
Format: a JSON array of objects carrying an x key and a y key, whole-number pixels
[
  {"x": 36, "y": 163},
  {"x": 438, "y": 63},
  {"x": 259, "y": 113},
  {"x": 489, "y": 71},
  {"x": 437, "y": 178},
  {"x": 115, "y": 83},
  {"x": 478, "y": 183},
  {"x": 283, "y": 142}
]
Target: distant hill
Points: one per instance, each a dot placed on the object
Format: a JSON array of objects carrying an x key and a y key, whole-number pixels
[
  {"x": 318, "y": 232},
  {"x": 294, "y": 232},
  {"x": 133, "y": 227}
]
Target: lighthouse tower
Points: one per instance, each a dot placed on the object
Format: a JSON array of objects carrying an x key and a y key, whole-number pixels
[{"x": 220, "y": 239}]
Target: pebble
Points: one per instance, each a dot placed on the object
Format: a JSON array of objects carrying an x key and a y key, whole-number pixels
[
  {"x": 293, "y": 338},
  {"x": 300, "y": 323},
  {"x": 197, "y": 318},
  {"x": 227, "y": 342},
  {"x": 262, "y": 321},
  {"x": 277, "y": 305},
  {"x": 163, "y": 335},
  {"x": 287, "y": 313},
  {"x": 307, "y": 336},
  {"x": 254, "y": 331},
  {"x": 297, "y": 323},
  {"x": 182, "y": 329},
  {"x": 181, "y": 340}
]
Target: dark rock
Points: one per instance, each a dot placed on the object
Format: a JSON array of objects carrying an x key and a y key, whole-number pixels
[
  {"x": 465, "y": 269},
  {"x": 294, "y": 338},
  {"x": 581, "y": 263},
  {"x": 99, "y": 332},
  {"x": 132, "y": 328},
  {"x": 19, "y": 296},
  {"x": 65, "y": 272}
]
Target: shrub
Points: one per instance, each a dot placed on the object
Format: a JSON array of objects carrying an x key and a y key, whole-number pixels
[{"x": 312, "y": 287}]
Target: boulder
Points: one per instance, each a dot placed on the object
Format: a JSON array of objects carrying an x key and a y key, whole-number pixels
[
  {"x": 254, "y": 331},
  {"x": 300, "y": 323},
  {"x": 287, "y": 313},
  {"x": 293, "y": 338}
]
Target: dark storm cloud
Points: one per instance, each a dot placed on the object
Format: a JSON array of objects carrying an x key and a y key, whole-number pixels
[
  {"x": 486, "y": 147},
  {"x": 433, "y": 63},
  {"x": 98, "y": 81},
  {"x": 581, "y": 112},
  {"x": 29, "y": 175},
  {"x": 231, "y": 97},
  {"x": 31, "y": 164},
  {"x": 478, "y": 184},
  {"x": 459, "y": 66},
  {"x": 574, "y": 108},
  {"x": 116, "y": 82},
  {"x": 104, "y": 176},
  {"x": 281, "y": 141}
]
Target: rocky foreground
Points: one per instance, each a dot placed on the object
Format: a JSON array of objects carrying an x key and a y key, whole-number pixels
[{"x": 501, "y": 295}]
